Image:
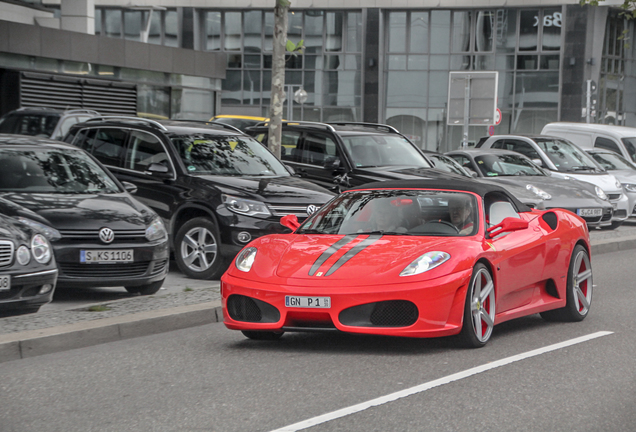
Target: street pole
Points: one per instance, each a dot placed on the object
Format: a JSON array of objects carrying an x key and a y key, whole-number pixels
[
  {"x": 588, "y": 101},
  {"x": 466, "y": 109}
]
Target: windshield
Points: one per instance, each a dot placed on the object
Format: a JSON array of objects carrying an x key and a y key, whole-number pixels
[
  {"x": 498, "y": 165},
  {"x": 447, "y": 164},
  {"x": 29, "y": 124},
  {"x": 227, "y": 155},
  {"x": 383, "y": 150},
  {"x": 567, "y": 157},
  {"x": 630, "y": 146},
  {"x": 396, "y": 212},
  {"x": 612, "y": 161},
  {"x": 52, "y": 171}
]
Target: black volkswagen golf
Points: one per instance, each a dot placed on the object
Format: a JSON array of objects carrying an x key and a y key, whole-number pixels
[
  {"x": 215, "y": 187},
  {"x": 100, "y": 234}
]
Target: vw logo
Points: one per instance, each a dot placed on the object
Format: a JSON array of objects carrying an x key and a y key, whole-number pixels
[
  {"x": 311, "y": 209},
  {"x": 106, "y": 235}
]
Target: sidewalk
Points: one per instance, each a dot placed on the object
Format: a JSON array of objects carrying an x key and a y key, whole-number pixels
[{"x": 52, "y": 331}]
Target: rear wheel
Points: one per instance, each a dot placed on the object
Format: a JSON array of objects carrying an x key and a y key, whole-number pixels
[
  {"x": 479, "y": 308},
  {"x": 579, "y": 289},
  {"x": 147, "y": 289},
  {"x": 198, "y": 249},
  {"x": 262, "y": 335}
]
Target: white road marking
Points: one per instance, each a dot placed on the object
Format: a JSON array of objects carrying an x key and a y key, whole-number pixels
[{"x": 436, "y": 383}]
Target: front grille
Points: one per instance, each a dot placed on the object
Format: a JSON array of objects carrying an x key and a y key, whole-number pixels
[
  {"x": 391, "y": 313},
  {"x": 121, "y": 236},
  {"x": 620, "y": 213},
  {"x": 96, "y": 271},
  {"x": 248, "y": 309},
  {"x": 280, "y": 210},
  {"x": 159, "y": 267},
  {"x": 6, "y": 253},
  {"x": 613, "y": 197}
]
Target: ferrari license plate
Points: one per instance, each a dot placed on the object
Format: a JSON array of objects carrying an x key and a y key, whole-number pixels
[
  {"x": 106, "y": 256},
  {"x": 5, "y": 283},
  {"x": 308, "y": 302},
  {"x": 589, "y": 212}
]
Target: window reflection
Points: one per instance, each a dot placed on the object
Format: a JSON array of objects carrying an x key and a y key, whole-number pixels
[{"x": 528, "y": 30}]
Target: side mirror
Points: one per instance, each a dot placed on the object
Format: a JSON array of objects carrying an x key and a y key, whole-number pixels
[
  {"x": 538, "y": 162},
  {"x": 158, "y": 170},
  {"x": 474, "y": 174},
  {"x": 129, "y": 187},
  {"x": 290, "y": 169},
  {"x": 507, "y": 225},
  {"x": 290, "y": 221}
]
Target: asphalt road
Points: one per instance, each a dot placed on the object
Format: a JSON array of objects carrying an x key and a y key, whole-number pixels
[{"x": 209, "y": 378}]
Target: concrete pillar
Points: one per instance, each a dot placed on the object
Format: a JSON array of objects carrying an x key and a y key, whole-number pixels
[{"x": 78, "y": 16}]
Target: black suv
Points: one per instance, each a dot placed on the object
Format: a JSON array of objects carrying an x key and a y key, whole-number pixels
[
  {"x": 339, "y": 156},
  {"x": 44, "y": 122},
  {"x": 215, "y": 187}
]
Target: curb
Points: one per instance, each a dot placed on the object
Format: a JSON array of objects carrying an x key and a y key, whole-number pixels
[{"x": 15, "y": 346}]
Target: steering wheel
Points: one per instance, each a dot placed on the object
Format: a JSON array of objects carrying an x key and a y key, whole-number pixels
[{"x": 443, "y": 222}]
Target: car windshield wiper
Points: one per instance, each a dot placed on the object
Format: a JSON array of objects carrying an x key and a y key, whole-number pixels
[
  {"x": 583, "y": 168},
  {"x": 381, "y": 232},
  {"x": 311, "y": 231}
]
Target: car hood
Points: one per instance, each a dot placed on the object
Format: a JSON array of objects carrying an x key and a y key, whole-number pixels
[
  {"x": 564, "y": 193},
  {"x": 270, "y": 189},
  {"x": 607, "y": 182},
  {"x": 519, "y": 191},
  {"x": 9, "y": 230},
  {"x": 625, "y": 176},
  {"x": 86, "y": 211},
  {"x": 293, "y": 256}
]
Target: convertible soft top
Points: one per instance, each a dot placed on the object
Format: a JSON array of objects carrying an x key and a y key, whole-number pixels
[{"x": 481, "y": 189}]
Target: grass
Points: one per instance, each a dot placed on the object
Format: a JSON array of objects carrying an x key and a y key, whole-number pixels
[
  {"x": 188, "y": 289},
  {"x": 98, "y": 308}
]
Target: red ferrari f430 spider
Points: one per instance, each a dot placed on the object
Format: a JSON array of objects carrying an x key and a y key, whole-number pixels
[{"x": 412, "y": 258}]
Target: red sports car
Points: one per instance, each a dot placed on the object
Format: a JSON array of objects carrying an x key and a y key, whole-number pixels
[{"x": 412, "y": 258}]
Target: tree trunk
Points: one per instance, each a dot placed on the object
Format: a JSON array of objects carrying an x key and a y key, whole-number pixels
[{"x": 278, "y": 76}]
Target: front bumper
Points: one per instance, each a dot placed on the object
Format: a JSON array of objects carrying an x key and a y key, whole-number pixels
[
  {"x": 412, "y": 309},
  {"x": 151, "y": 263},
  {"x": 622, "y": 208},
  {"x": 25, "y": 289}
]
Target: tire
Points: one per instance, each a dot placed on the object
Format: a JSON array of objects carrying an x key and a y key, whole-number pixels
[
  {"x": 147, "y": 289},
  {"x": 479, "y": 309},
  {"x": 197, "y": 249},
  {"x": 579, "y": 289},
  {"x": 262, "y": 335}
]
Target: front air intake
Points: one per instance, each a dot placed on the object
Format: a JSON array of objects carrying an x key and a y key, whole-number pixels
[
  {"x": 391, "y": 313},
  {"x": 248, "y": 309}
]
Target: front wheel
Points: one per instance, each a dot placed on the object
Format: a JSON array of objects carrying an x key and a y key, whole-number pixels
[
  {"x": 579, "y": 289},
  {"x": 262, "y": 335},
  {"x": 147, "y": 289},
  {"x": 198, "y": 249},
  {"x": 479, "y": 308}
]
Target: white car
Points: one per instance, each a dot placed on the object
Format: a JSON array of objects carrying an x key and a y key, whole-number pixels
[
  {"x": 622, "y": 169},
  {"x": 564, "y": 159}
]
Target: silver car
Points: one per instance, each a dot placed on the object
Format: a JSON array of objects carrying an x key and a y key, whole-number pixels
[
  {"x": 622, "y": 169},
  {"x": 513, "y": 170}
]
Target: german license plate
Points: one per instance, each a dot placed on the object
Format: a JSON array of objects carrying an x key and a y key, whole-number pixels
[
  {"x": 5, "y": 283},
  {"x": 308, "y": 302},
  {"x": 96, "y": 256},
  {"x": 589, "y": 212}
]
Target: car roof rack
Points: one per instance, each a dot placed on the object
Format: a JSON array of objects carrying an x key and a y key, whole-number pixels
[
  {"x": 81, "y": 111},
  {"x": 36, "y": 108},
  {"x": 129, "y": 119},
  {"x": 325, "y": 126},
  {"x": 212, "y": 123},
  {"x": 377, "y": 126}
]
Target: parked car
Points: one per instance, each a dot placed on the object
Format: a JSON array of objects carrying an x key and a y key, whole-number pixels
[
  {"x": 530, "y": 197},
  {"x": 215, "y": 187},
  {"x": 469, "y": 256},
  {"x": 343, "y": 155},
  {"x": 512, "y": 170},
  {"x": 619, "y": 139},
  {"x": 241, "y": 122},
  {"x": 100, "y": 234},
  {"x": 28, "y": 272},
  {"x": 565, "y": 160},
  {"x": 622, "y": 169},
  {"x": 43, "y": 122}
]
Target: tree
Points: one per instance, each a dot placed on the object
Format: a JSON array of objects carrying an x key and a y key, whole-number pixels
[
  {"x": 628, "y": 6},
  {"x": 281, "y": 45}
]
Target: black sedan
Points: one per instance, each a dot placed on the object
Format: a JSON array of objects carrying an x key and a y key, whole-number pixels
[
  {"x": 27, "y": 266},
  {"x": 101, "y": 235}
]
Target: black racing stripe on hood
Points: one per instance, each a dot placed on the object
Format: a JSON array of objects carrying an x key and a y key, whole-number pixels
[
  {"x": 329, "y": 252},
  {"x": 353, "y": 252}
]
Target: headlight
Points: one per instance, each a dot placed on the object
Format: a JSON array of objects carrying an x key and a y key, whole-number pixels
[
  {"x": 245, "y": 207},
  {"x": 618, "y": 184},
  {"x": 245, "y": 259},
  {"x": 41, "y": 249},
  {"x": 156, "y": 230},
  {"x": 49, "y": 232},
  {"x": 600, "y": 193},
  {"x": 426, "y": 262},
  {"x": 23, "y": 255},
  {"x": 540, "y": 192},
  {"x": 630, "y": 187}
]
